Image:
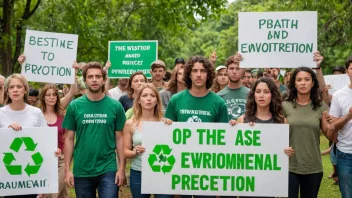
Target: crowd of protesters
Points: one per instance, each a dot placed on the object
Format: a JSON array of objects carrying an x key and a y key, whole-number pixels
[{"x": 232, "y": 94}]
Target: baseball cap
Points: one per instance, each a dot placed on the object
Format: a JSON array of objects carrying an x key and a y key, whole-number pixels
[
  {"x": 158, "y": 63},
  {"x": 220, "y": 67}
]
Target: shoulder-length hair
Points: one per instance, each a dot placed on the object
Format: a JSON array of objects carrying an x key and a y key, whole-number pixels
[
  {"x": 275, "y": 108},
  {"x": 315, "y": 93},
  {"x": 207, "y": 65},
  {"x": 216, "y": 85},
  {"x": 7, "y": 99},
  {"x": 137, "y": 108},
  {"x": 172, "y": 84},
  {"x": 130, "y": 90},
  {"x": 59, "y": 111}
]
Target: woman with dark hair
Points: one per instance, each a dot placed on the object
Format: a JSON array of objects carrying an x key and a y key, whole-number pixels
[
  {"x": 175, "y": 85},
  {"x": 134, "y": 82},
  {"x": 305, "y": 112},
  {"x": 54, "y": 115},
  {"x": 264, "y": 105}
]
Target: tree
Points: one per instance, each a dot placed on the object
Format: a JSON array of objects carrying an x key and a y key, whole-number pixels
[
  {"x": 11, "y": 30},
  {"x": 98, "y": 21}
]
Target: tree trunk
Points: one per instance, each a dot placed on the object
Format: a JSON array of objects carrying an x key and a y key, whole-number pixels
[{"x": 5, "y": 43}]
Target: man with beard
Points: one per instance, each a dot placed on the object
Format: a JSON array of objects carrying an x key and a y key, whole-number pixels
[
  {"x": 275, "y": 75},
  {"x": 247, "y": 78},
  {"x": 234, "y": 94},
  {"x": 96, "y": 121},
  {"x": 158, "y": 71}
]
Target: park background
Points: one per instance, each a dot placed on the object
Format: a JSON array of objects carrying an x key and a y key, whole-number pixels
[{"x": 182, "y": 27}]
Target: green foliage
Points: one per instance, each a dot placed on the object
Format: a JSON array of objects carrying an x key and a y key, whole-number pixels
[
  {"x": 334, "y": 28},
  {"x": 183, "y": 27}
]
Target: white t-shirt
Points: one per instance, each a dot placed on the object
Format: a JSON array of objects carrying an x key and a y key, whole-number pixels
[
  {"x": 116, "y": 93},
  {"x": 28, "y": 117},
  {"x": 340, "y": 105}
]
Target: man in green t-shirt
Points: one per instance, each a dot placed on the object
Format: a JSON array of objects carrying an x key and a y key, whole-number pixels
[
  {"x": 96, "y": 121},
  {"x": 197, "y": 103},
  {"x": 234, "y": 94}
]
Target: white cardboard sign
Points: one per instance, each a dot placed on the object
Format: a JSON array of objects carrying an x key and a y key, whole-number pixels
[
  {"x": 277, "y": 39},
  {"x": 28, "y": 164},
  {"x": 215, "y": 159},
  {"x": 49, "y": 57}
]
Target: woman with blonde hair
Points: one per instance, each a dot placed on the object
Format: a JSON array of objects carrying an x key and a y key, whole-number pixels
[
  {"x": 146, "y": 107},
  {"x": 17, "y": 113}
]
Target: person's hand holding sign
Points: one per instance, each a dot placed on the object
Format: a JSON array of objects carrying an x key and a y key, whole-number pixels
[
  {"x": 213, "y": 57},
  {"x": 21, "y": 59},
  {"x": 318, "y": 58},
  {"x": 237, "y": 58},
  {"x": 76, "y": 67}
]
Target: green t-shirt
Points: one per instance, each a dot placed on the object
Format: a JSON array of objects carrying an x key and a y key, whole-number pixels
[
  {"x": 304, "y": 137},
  {"x": 94, "y": 123},
  {"x": 183, "y": 107},
  {"x": 235, "y": 100}
]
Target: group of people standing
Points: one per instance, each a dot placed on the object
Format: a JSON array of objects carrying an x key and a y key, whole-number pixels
[{"x": 94, "y": 132}]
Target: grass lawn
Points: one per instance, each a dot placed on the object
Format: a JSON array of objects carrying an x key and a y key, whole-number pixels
[{"x": 327, "y": 188}]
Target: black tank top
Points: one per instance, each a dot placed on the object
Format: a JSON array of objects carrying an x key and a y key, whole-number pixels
[{"x": 257, "y": 120}]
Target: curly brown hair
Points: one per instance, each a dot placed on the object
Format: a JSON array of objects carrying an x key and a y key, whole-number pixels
[
  {"x": 315, "y": 92},
  {"x": 172, "y": 84},
  {"x": 59, "y": 111},
  {"x": 206, "y": 64},
  {"x": 276, "y": 108}
]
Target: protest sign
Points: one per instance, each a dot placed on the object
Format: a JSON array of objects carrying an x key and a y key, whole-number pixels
[
  {"x": 49, "y": 57},
  {"x": 128, "y": 57},
  {"x": 215, "y": 159},
  {"x": 277, "y": 39},
  {"x": 336, "y": 82},
  {"x": 28, "y": 164}
]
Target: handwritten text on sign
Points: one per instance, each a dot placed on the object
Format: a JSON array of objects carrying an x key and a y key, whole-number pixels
[
  {"x": 49, "y": 57},
  {"x": 277, "y": 39},
  {"x": 215, "y": 159}
]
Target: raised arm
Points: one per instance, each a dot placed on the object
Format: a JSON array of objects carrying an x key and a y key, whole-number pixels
[{"x": 65, "y": 101}]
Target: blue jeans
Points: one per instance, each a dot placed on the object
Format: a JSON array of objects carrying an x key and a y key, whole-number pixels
[
  {"x": 85, "y": 187},
  {"x": 333, "y": 157},
  {"x": 136, "y": 186},
  {"x": 344, "y": 172}
]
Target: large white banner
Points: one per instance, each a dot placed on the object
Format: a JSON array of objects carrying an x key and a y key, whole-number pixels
[
  {"x": 215, "y": 159},
  {"x": 49, "y": 57},
  {"x": 28, "y": 164},
  {"x": 277, "y": 39},
  {"x": 336, "y": 82}
]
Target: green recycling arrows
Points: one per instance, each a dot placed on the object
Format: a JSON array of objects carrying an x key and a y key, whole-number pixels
[
  {"x": 161, "y": 160},
  {"x": 15, "y": 146}
]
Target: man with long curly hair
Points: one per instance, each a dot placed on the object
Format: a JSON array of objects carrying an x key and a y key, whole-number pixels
[{"x": 197, "y": 103}]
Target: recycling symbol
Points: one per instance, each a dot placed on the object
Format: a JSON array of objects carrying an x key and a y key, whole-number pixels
[
  {"x": 161, "y": 159},
  {"x": 15, "y": 146}
]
